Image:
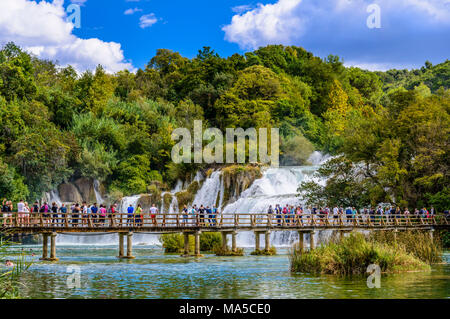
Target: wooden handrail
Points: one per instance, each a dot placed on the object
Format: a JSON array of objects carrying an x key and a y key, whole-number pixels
[{"x": 285, "y": 221}]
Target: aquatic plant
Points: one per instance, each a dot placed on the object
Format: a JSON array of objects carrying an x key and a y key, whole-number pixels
[
  {"x": 352, "y": 255},
  {"x": 416, "y": 243},
  {"x": 10, "y": 277},
  {"x": 220, "y": 251},
  {"x": 262, "y": 252}
]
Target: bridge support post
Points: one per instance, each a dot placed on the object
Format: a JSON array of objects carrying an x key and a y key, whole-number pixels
[
  {"x": 121, "y": 250},
  {"x": 197, "y": 244},
  {"x": 53, "y": 247},
  {"x": 312, "y": 244},
  {"x": 431, "y": 234},
  {"x": 395, "y": 235},
  {"x": 301, "y": 243},
  {"x": 233, "y": 241},
  {"x": 44, "y": 247},
  {"x": 186, "y": 245},
  {"x": 257, "y": 241},
  {"x": 267, "y": 240},
  {"x": 224, "y": 241},
  {"x": 130, "y": 246}
]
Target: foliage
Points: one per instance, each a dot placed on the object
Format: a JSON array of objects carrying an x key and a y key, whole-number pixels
[{"x": 57, "y": 125}]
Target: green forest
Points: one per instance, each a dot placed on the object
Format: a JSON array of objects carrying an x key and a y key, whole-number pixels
[{"x": 388, "y": 130}]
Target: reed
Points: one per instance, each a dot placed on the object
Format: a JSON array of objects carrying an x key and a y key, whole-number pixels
[{"x": 352, "y": 255}]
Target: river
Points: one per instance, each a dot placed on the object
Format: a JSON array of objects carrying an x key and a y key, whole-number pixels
[{"x": 155, "y": 275}]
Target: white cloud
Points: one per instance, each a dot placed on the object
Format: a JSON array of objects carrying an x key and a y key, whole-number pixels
[
  {"x": 242, "y": 8},
  {"x": 132, "y": 11},
  {"x": 147, "y": 20},
  {"x": 266, "y": 24},
  {"x": 42, "y": 29},
  {"x": 411, "y": 30}
]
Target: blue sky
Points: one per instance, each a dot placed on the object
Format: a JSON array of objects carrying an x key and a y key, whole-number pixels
[{"x": 411, "y": 31}]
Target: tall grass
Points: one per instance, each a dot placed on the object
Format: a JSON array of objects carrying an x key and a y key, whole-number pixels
[
  {"x": 351, "y": 255},
  {"x": 9, "y": 277},
  {"x": 414, "y": 242}
]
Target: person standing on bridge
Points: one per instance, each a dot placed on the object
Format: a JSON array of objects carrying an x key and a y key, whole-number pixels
[
  {"x": 153, "y": 212},
  {"x": 63, "y": 211},
  {"x": 102, "y": 215},
  {"x": 94, "y": 211},
  {"x": 20, "y": 211},
  {"x": 130, "y": 211},
  {"x": 55, "y": 214},
  {"x": 26, "y": 217},
  {"x": 185, "y": 215},
  {"x": 214, "y": 215},
  {"x": 201, "y": 215},
  {"x": 76, "y": 212},
  {"x": 194, "y": 215}
]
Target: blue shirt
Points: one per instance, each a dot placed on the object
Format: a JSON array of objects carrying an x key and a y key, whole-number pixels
[{"x": 130, "y": 210}]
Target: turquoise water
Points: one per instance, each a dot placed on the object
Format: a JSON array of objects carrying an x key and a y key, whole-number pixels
[{"x": 155, "y": 275}]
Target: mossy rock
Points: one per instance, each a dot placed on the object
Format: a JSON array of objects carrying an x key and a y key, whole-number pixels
[
  {"x": 187, "y": 196},
  {"x": 167, "y": 200},
  {"x": 262, "y": 252},
  {"x": 238, "y": 178}
]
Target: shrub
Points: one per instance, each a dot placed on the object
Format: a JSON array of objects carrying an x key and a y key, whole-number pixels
[{"x": 210, "y": 241}]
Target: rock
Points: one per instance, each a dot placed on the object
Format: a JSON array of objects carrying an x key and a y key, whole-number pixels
[
  {"x": 69, "y": 193},
  {"x": 86, "y": 188},
  {"x": 146, "y": 202}
]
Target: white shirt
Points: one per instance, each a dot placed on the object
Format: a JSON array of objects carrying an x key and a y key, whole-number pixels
[
  {"x": 335, "y": 211},
  {"x": 21, "y": 207},
  {"x": 153, "y": 210}
]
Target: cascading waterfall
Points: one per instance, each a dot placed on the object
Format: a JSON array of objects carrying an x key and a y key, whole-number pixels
[
  {"x": 52, "y": 197},
  {"x": 276, "y": 186},
  {"x": 208, "y": 193},
  {"x": 98, "y": 195}
]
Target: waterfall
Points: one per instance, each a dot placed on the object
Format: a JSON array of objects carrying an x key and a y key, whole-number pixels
[
  {"x": 277, "y": 186},
  {"x": 52, "y": 196},
  {"x": 208, "y": 193},
  {"x": 98, "y": 196}
]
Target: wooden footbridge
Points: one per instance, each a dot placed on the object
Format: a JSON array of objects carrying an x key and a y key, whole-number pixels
[{"x": 49, "y": 225}]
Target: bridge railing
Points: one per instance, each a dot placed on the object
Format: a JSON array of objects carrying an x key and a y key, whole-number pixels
[{"x": 120, "y": 220}]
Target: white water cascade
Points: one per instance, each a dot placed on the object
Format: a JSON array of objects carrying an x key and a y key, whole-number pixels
[
  {"x": 98, "y": 195},
  {"x": 276, "y": 186}
]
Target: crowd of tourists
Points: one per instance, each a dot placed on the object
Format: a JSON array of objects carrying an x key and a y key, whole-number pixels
[
  {"x": 93, "y": 215},
  {"x": 288, "y": 213},
  {"x": 54, "y": 214},
  {"x": 84, "y": 215}
]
